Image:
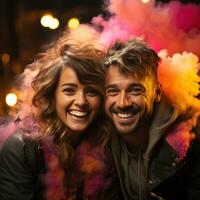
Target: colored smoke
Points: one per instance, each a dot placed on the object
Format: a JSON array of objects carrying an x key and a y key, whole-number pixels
[
  {"x": 179, "y": 79},
  {"x": 173, "y": 26}
]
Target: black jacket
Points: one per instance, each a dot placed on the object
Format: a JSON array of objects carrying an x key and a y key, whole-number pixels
[
  {"x": 168, "y": 178},
  {"x": 162, "y": 175},
  {"x": 21, "y": 168},
  {"x": 173, "y": 180}
]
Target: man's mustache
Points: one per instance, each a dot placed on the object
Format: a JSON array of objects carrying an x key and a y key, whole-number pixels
[{"x": 130, "y": 109}]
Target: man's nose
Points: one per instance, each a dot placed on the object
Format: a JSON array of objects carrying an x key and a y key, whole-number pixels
[{"x": 123, "y": 100}]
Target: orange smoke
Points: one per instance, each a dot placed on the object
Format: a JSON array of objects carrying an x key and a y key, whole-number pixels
[{"x": 179, "y": 78}]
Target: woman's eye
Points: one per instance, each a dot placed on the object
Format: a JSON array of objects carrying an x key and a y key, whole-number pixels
[
  {"x": 91, "y": 92},
  {"x": 69, "y": 91}
]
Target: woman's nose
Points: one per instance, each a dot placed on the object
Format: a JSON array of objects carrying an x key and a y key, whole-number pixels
[{"x": 80, "y": 99}]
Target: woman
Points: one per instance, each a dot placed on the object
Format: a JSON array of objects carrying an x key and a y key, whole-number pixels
[{"x": 65, "y": 159}]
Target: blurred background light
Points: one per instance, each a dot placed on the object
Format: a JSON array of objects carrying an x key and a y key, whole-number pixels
[
  {"x": 54, "y": 23},
  {"x": 146, "y": 1},
  {"x": 5, "y": 58},
  {"x": 47, "y": 20},
  {"x": 73, "y": 23},
  {"x": 11, "y": 99},
  {"x": 27, "y": 26}
]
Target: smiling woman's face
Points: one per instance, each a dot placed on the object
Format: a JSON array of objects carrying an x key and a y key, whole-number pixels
[{"x": 76, "y": 104}]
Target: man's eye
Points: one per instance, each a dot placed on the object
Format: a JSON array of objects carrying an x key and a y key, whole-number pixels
[
  {"x": 111, "y": 92},
  {"x": 136, "y": 90}
]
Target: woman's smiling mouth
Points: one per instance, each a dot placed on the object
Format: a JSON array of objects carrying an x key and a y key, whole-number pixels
[{"x": 78, "y": 114}]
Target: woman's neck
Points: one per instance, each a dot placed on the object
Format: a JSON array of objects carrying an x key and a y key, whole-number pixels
[{"x": 75, "y": 138}]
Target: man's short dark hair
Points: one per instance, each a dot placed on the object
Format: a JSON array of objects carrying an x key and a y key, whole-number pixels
[{"x": 133, "y": 56}]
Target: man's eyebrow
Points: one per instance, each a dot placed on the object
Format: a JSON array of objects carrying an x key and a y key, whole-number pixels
[
  {"x": 69, "y": 84},
  {"x": 135, "y": 84},
  {"x": 111, "y": 86}
]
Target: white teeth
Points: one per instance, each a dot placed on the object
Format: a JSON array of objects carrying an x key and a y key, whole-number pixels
[
  {"x": 78, "y": 113},
  {"x": 125, "y": 115}
]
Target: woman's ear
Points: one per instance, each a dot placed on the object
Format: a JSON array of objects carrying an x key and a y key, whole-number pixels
[{"x": 158, "y": 92}]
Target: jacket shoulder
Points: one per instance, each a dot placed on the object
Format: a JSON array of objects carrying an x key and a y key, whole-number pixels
[
  {"x": 20, "y": 147},
  {"x": 20, "y": 167},
  {"x": 17, "y": 142},
  {"x": 194, "y": 149}
]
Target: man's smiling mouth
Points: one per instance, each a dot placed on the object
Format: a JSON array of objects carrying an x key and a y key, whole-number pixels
[{"x": 125, "y": 115}]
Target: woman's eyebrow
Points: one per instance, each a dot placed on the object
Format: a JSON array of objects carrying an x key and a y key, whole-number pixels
[{"x": 69, "y": 84}]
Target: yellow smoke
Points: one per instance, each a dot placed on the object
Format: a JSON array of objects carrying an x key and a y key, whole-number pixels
[{"x": 179, "y": 78}]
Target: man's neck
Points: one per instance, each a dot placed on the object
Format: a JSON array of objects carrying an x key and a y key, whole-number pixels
[{"x": 136, "y": 141}]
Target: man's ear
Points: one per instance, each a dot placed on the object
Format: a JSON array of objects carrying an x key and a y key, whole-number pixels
[{"x": 158, "y": 93}]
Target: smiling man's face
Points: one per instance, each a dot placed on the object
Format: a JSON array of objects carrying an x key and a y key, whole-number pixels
[{"x": 129, "y": 100}]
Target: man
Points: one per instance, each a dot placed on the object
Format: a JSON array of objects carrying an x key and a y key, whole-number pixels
[{"x": 147, "y": 165}]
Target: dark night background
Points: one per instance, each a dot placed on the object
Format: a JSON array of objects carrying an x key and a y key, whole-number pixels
[{"x": 22, "y": 36}]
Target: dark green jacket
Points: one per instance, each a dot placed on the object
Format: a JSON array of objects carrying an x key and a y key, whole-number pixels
[{"x": 166, "y": 176}]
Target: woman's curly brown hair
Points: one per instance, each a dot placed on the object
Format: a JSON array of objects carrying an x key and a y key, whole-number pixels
[{"x": 86, "y": 61}]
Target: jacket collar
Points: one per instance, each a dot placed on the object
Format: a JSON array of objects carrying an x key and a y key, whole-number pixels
[{"x": 177, "y": 134}]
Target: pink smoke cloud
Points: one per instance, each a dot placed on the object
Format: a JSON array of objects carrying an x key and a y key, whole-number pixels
[
  {"x": 186, "y": 17},
  {"x": 172, "y": 26}
]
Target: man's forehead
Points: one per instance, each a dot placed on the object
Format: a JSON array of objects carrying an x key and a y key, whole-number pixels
[
  {"x": 115, "y": 71},
  {"x": 116, "y": 76}
]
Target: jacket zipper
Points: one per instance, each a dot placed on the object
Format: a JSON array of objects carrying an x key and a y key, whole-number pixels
[
  {"x": 156, "y": 196},
  {"x": 139, "y": 175}
]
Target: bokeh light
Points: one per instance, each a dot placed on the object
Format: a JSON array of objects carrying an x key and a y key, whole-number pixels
[
  {"x": 146, "y": 1},
  {"x": 5, "y": 58},
  {"x": 73, "y": 23},
  {"x": 54, "y": 23},
  {"x": 11, "y": 99},
  {"x": 49, "y": 21}
]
